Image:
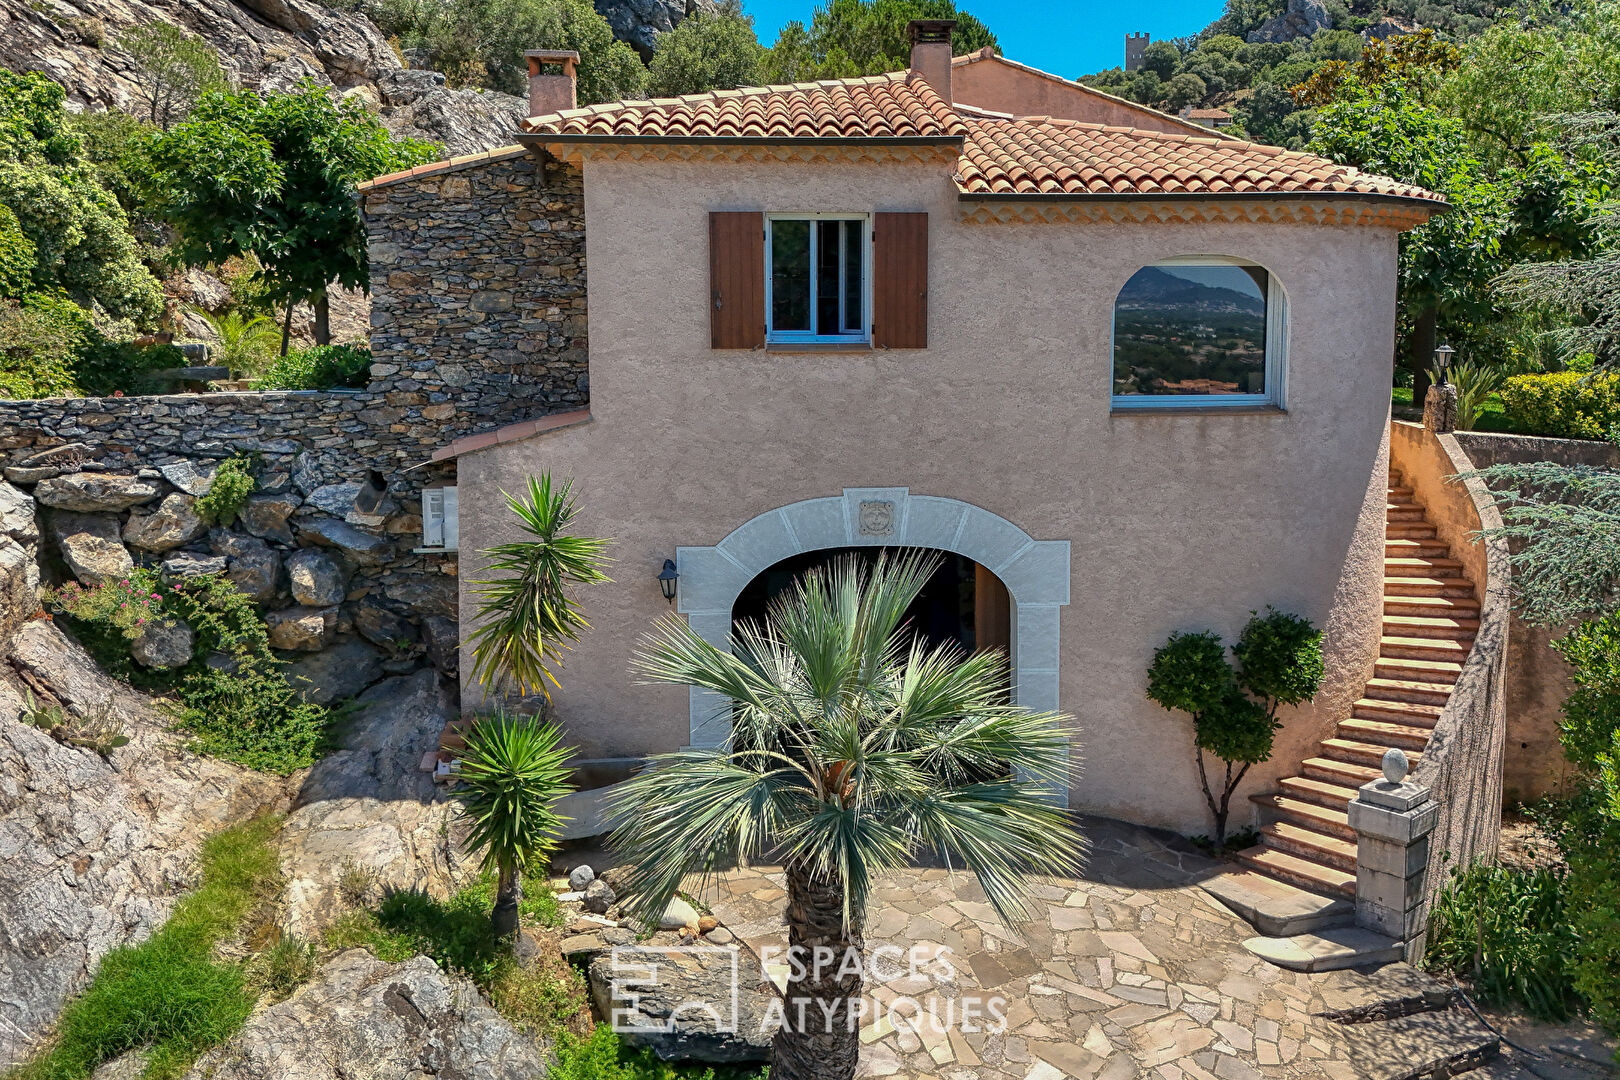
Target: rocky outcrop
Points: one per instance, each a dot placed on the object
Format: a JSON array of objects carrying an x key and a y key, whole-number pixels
[
  {"x": 1303, "y": 19},
  {"x": 639, "y": 22},
  {"x": 363, "y": 1019},
  {"x": 369, "y": 806},
  {"x": 19, "y": 567},
  {"x": 93, "y": 850},
  {"x": 678, "y": 1001}
]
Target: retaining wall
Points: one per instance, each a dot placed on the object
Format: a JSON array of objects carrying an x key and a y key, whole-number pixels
[{"x": 1462, "y": 764}]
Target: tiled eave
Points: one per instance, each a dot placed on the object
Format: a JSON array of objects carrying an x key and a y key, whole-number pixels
[
  {"x": 1199, "y": 207},
  {"x": 523, "y": 429}
]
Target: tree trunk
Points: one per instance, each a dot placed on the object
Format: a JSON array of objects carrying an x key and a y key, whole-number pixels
[
  {"x": 286, "y": 329},
  {"x": 820, "y": 1034},
  {"x": 1421, "y": 354},
  {"x": 323, "y": 319},
  {"x": 508, "y": 894}
]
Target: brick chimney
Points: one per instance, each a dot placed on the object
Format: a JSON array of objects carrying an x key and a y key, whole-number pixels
[
  {"x": 552, "y": 80},
  {"x": 931, "y": 52}
]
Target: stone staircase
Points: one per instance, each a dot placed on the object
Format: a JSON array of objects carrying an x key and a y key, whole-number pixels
[{"x": 1431, "y": 614}]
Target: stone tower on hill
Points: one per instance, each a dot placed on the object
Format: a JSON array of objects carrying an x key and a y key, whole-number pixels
[{"x": 1134, "y": 44}]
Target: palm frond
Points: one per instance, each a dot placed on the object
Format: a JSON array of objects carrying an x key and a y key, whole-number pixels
[{"x": 513, "y": 772}]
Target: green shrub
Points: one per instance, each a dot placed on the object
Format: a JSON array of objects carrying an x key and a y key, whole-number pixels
[
  {"x": 37, "y": 351},
  {"x": 602, "y": 1055},
  {"x": 232, "y": 484},
  {"x": 319, "y": 367},
  {"x": 168, "y": 995},
  {"x": 1509, "y": 931},
  {"x": 1563, "y": 404}
]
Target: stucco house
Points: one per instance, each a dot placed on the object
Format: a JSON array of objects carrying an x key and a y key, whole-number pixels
[{"x": 1131, "y": 376}]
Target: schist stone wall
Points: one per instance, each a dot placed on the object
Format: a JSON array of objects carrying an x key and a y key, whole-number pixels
[{"x": 478, "y": 320}]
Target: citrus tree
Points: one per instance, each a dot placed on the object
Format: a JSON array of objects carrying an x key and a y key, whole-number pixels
[{"x": 854, "y": 747}]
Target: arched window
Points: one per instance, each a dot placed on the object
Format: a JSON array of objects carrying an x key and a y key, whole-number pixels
[{"x": 1203, "y": 330}]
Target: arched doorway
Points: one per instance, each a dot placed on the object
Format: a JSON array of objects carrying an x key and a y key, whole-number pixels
[
  {"x": 963, "y": 602},
  {"x": 1034, "y": 572}
]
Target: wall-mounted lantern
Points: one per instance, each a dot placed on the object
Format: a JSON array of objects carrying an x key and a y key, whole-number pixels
[
  {"x": 1442, "y": 363},
  {"x": 667, "y": 577}
]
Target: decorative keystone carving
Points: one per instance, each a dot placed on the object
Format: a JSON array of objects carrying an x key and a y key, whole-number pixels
[{"x": 876, "y": 518}]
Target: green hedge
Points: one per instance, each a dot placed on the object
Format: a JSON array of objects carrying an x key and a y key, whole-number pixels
[
  {"x": 1563, "y": 405},
  {"x": 319, "y": 367}
]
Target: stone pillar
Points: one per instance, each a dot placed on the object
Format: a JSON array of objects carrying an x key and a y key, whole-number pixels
[
  {"x": 1440, "y": 409},
  {"x": 1393, "y": 818}
]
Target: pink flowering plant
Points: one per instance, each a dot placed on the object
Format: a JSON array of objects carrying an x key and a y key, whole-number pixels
[{"x": 126, "y": 604}]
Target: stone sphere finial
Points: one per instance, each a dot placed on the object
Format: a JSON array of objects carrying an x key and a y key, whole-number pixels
[{"x": 1396, "y": 766}]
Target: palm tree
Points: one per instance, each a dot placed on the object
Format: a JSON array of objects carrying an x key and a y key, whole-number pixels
[
  {"x": 512, "y": 774},
  {"x": 854, "y": 747},
  {"x": 246, "y": 343},
  {"x": 527, "y": 617}
]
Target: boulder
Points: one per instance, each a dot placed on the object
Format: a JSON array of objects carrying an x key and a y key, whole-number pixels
[
  {"x": 1302, "y": 19},
  {"x": 94, "y": 492},
  {"x": 425, "y": 594},
  {"x": 366, "y": 549},
  {"x": 91, "y": 547},
  {"x": 363, "y": 1019},
  {"x": 190, "y": 564},
  {"x": 369, "y": 806},
  {"x": 316, "y": 578},
  {"x": 301, "y": 629},
  {"x": 17, "y": 515},
  {"x": 599, "y": 896},
  {"x": 580, "y": 876},
  {"x": 266, "y": 516},
  {"x": 379, "y": 625},
  {"x": 254, "y": 566},
  {"x": 164, "y": 644},
  {"x": 173, "y": 522},
  {"x": 443, "y": 643},
  {"x": 679, "y": 913},
  {"x": 638, "y": 23},
  {"x": 188, "y": 476},
  {"x": 19, "y": 584},
  {"x": 339, "y": 672},
  {"x": 335, "y": 499},
  {"x": 655, "y": 994},
  {"x": 97, "y": 849}
]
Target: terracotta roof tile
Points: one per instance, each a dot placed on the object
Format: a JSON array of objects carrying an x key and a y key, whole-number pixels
[
  {"x": 1025, "y": 156},
  {"x": 878, "y": 106}
]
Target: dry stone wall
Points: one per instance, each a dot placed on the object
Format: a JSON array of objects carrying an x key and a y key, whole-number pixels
[{"x": 479, "y": 321}]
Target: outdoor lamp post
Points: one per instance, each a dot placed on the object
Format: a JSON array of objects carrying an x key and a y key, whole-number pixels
[
  {"x": 667, "y": 577},
  {"x": 1442, "y": 363}
]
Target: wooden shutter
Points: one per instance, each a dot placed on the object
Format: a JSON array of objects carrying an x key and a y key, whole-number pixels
[
  {"x": 900, "y": 281},
  {"x": 736, "y": 280}
]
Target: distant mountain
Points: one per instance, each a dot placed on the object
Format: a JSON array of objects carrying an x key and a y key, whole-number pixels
[{"x": 1152, "y": 288}]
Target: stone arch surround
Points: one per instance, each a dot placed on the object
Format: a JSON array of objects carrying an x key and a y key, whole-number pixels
[{"x": 1036, "y": 573}]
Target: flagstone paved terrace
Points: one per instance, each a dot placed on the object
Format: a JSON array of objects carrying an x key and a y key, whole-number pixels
[{"x": 1130, "y": 971}]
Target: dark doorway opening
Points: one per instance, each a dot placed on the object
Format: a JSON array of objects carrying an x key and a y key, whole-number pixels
[{"x": 962, "y": 603}]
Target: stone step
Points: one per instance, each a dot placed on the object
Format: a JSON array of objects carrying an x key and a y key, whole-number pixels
[
  {"x": 1444, "y": 1042},
  {"x": 1398, "y": 493},
  {"x": 1410, "y": 713},
  {"x": 1424, "y": 693},
  {"x": 1402, "y": 548},
  {"x": 1429, "y": 567},
  {"x": 1310, "y": 845},
  {"x": 1384, "y": 734},
  {"x": 1398, "y": 512},
  {"x": 1436, "y": 626},
  {"x": 1300, "y": 873},
  {"x": 1330, "y": 950},
  {"x": 1428, "y": 586},
  {"x": 1427, "y": 606},
  {"x": 1336, "y": 771},
  {"x": 1429, "y": 671},
  {"x": 1275, "y": 907},
  {"x": 1368, "y": 754},
  {"x": 1309, "y": 814},
  {"x": 1409, "y": 530},
  {"x": 1416, "y": 648},
  {"x": 1321, "y": 792}
]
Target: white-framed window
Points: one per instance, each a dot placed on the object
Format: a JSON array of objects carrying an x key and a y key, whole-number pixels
[
  {"x": 1199, "y": 331},
  {"x": 818, "y": 285},
  {"x": 441, "y": 520}
]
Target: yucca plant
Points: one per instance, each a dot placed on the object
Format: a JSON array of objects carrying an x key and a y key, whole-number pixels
[
  {"x": 526, "y": 616},
  {"x": 246, "y": 343},
  {"x": 1474, "y": 383},
  {"x": 854, "y": 747},
  {"x": 512, "y": 775}
]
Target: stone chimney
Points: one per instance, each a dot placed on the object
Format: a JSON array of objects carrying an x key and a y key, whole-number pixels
[
  {"x": 552, "y": 80},
  {"x": 931, "y": 52}
]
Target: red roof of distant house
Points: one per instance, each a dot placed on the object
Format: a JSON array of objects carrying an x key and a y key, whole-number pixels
[{"x": 1207, "y": 114}]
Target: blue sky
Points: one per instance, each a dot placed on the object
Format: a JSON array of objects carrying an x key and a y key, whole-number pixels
[{"x": 1065, "y": 38}]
